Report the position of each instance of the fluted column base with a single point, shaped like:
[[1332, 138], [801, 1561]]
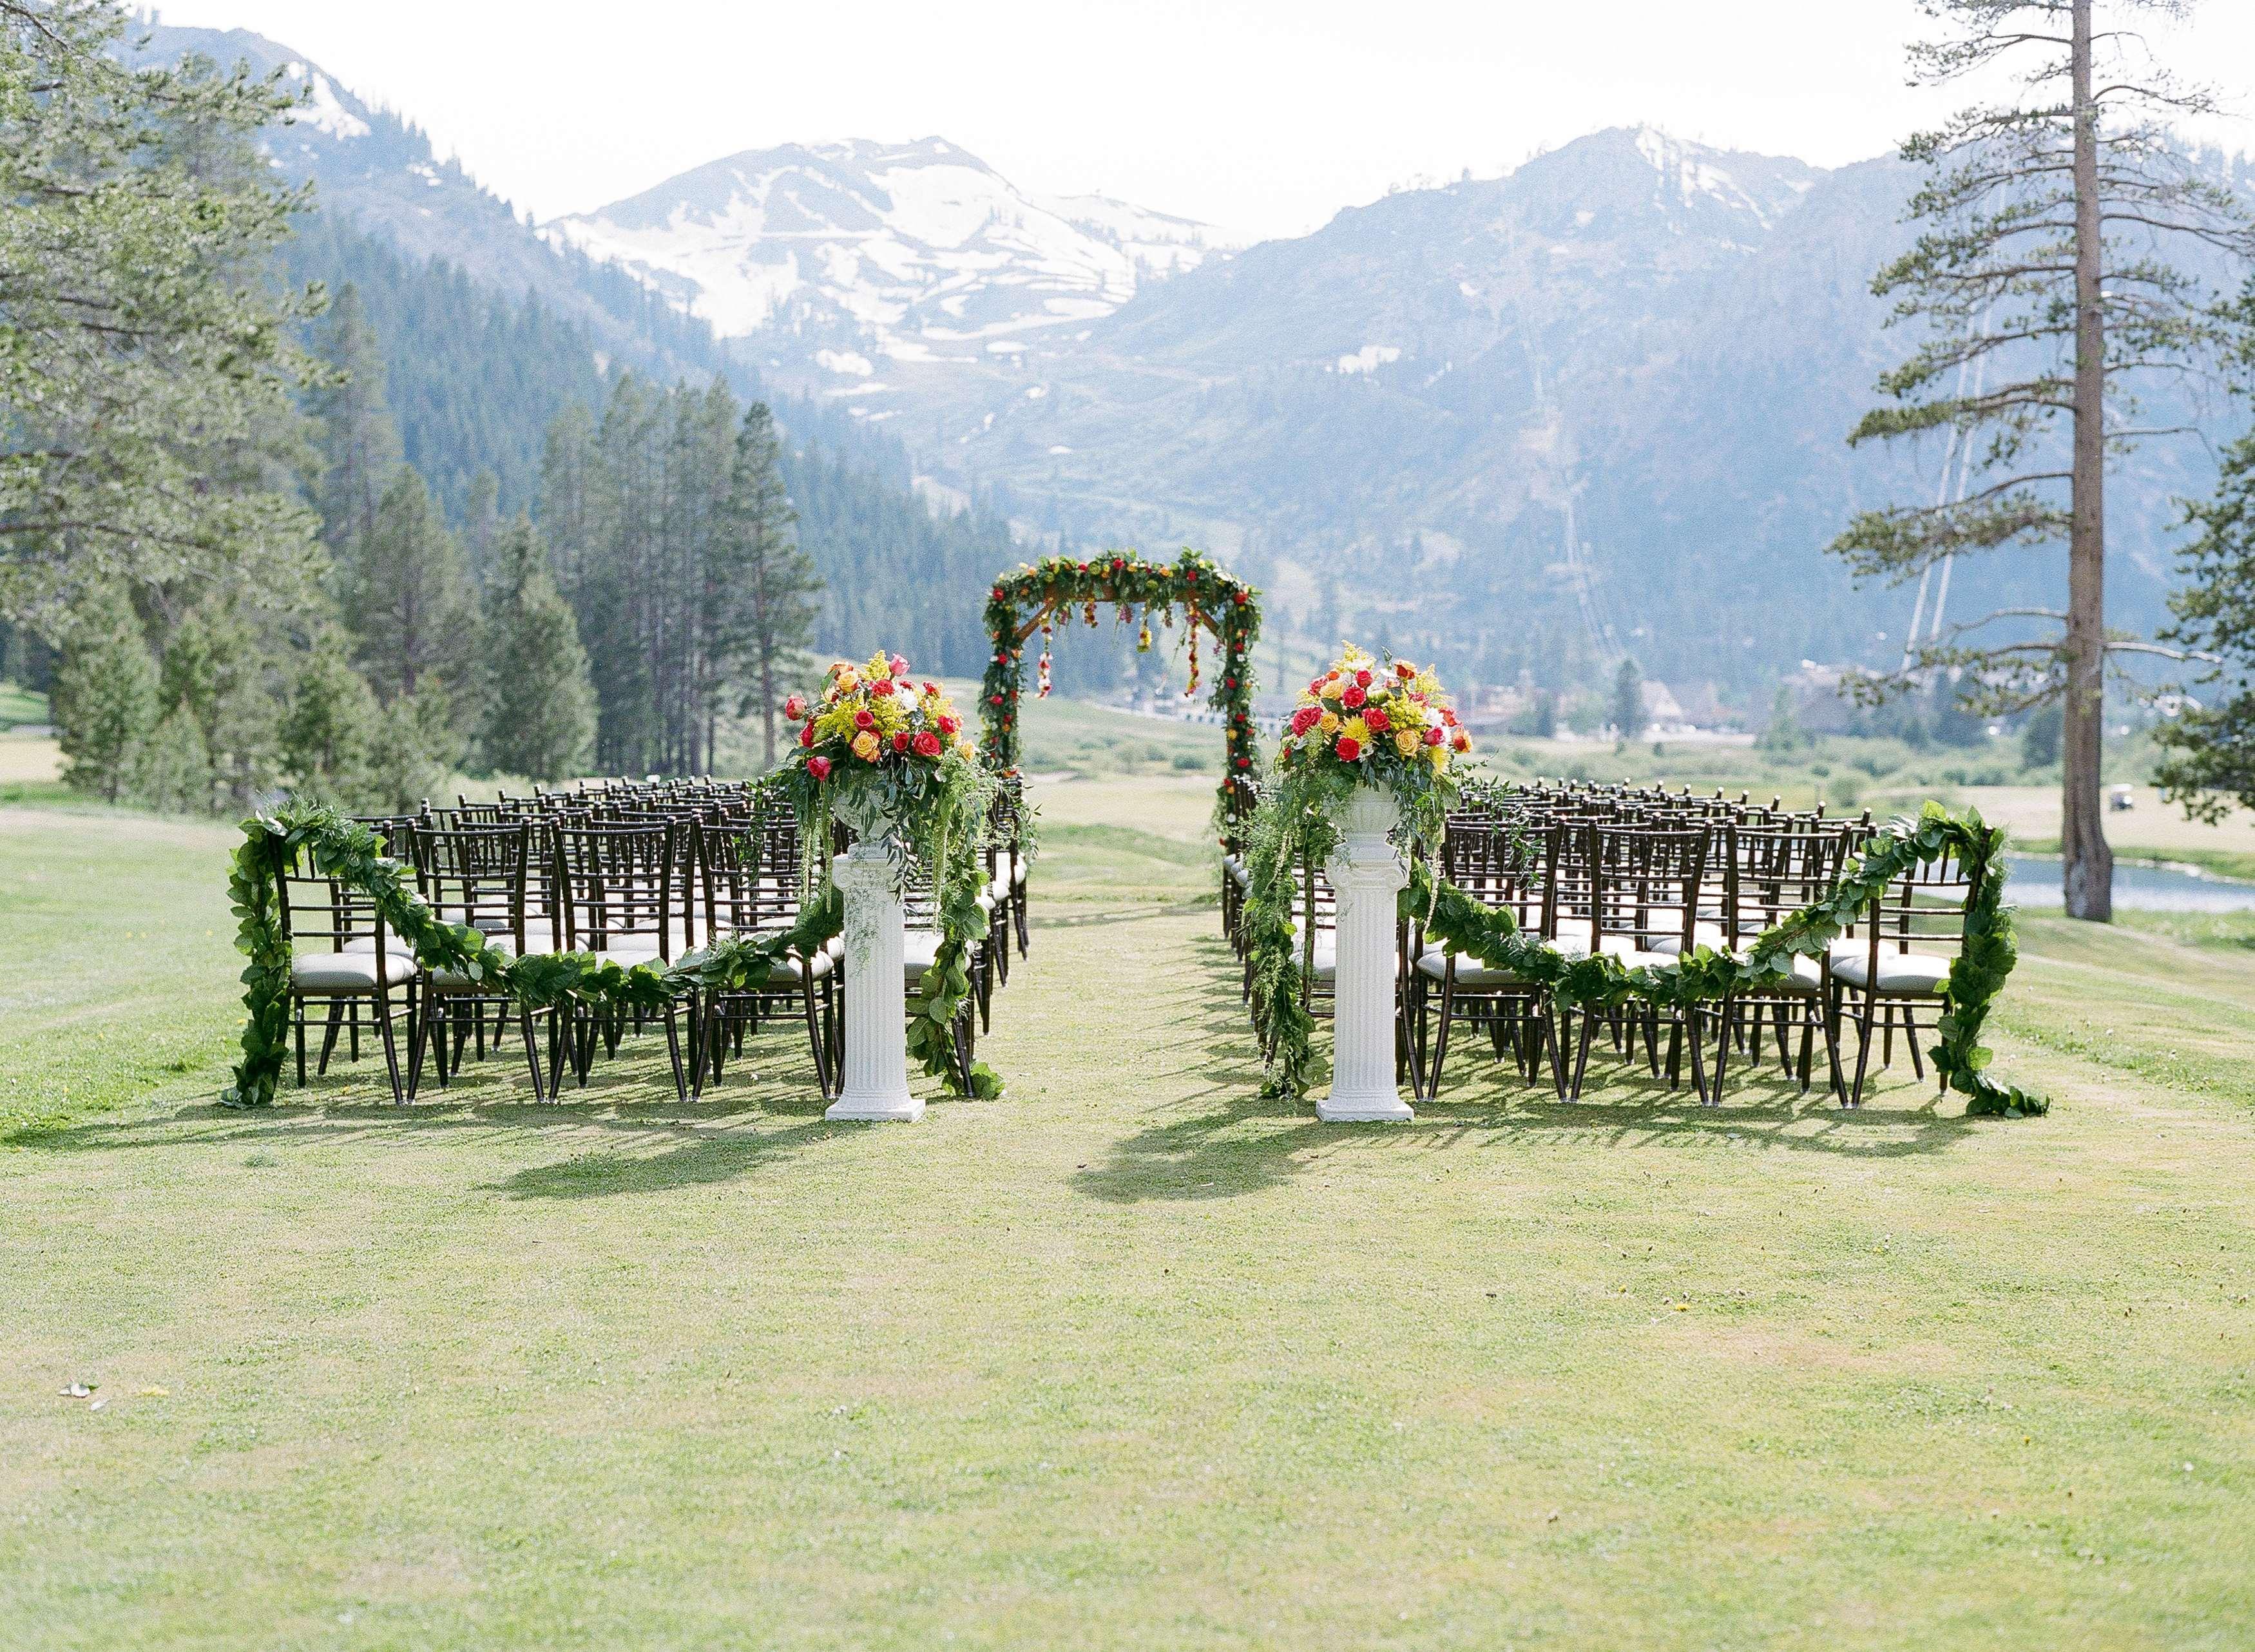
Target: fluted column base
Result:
[[875, 1087], [1366, 873]]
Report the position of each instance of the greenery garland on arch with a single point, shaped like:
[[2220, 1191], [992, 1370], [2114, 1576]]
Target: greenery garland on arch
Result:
[[1035, 598], [349, 851], [1293, 824]]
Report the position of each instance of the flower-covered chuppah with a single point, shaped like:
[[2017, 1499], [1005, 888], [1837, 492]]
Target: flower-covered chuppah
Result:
[[1071, 589]]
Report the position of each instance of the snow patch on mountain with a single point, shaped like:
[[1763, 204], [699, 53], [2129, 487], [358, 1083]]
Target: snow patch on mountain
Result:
[[916, 251], [1369, 358], [322, 109]]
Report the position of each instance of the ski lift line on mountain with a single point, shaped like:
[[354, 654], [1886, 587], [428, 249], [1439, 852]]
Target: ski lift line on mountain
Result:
[[1961, 451], [1597, 621]]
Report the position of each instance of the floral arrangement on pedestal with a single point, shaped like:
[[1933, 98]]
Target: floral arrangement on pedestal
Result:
[[1383, 723], [890, 744], [888, 754]]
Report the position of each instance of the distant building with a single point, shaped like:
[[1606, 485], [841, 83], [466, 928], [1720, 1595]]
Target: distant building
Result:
[[1818, 706]]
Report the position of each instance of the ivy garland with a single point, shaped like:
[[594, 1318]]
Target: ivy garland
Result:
[[1472, 929], [349, 852], [1034, 597]]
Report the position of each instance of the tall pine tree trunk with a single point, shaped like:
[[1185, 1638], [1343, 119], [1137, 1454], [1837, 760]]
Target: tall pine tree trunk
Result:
[[2088, 869]]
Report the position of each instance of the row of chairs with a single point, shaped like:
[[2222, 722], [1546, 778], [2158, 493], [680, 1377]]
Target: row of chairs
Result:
[[634, 872], [1646, 876]]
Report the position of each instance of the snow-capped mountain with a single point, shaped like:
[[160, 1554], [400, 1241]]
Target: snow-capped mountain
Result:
[[852, 256]]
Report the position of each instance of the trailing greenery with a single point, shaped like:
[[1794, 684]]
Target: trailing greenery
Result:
[[1053, 589], [303, 832], [1293, 826]]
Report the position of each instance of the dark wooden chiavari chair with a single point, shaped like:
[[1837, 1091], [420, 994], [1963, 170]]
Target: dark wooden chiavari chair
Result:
[[473, 875], [744, 896], [1913, 933], [342, 955], [1511, 866], [622, 900]]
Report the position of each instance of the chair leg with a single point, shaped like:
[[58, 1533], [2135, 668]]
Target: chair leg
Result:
[[299, 1006], [390, 1049], [673, 1051], [329, 1038], [532, 1050]]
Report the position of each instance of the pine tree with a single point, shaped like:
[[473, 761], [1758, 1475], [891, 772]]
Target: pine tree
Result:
[[330, 730], [540, 705], [105, 695], [360, 445], [2045, 217], [407, 597], [2209, 763], [481, 522], [137, 331], [1629, 701], [779, 581]]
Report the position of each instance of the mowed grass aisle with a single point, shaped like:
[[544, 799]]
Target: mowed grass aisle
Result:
[[1128, 1359]]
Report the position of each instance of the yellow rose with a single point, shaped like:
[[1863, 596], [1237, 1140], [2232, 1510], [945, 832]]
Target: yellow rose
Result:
[[1332, 687], [1328, 722], [1406, 741], [865, 745], [849, 680]]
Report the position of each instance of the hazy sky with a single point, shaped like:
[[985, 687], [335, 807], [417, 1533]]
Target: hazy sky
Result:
[[1262, 116]]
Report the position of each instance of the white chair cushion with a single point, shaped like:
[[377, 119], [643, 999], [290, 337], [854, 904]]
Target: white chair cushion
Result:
[[1017, 869], [1470, 973], [1901, 974], [1701, 935], [341, 974]]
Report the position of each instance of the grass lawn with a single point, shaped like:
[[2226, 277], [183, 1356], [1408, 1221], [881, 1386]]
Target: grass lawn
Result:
[[1130, 1358]]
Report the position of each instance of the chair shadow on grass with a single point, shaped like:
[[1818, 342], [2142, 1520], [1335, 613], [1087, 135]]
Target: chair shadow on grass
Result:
[[1241, 1141], [628, 1107]]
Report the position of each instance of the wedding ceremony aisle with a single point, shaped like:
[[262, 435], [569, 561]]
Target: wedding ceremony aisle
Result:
[[1127, 1357]]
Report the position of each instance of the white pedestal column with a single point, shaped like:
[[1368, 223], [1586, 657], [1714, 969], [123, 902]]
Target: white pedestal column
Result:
[[1366, 873], [876, 1079]]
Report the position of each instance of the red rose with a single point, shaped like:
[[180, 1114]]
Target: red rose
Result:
[[1379, 722], [1404, 670], [1353, 697], [927, 744], [1245, 762], [1434, 737], [931, 688], [1362, 680], [806, 734], [994, 700], [1349, 749], [949, 725], [901, 741], [818, 767], [862, 719], [1463, 742], [1304, 718], [795, 708], [883, 686]]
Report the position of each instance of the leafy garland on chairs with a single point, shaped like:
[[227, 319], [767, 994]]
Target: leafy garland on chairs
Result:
[[1291, 824], [1037, 597], [945, 817]]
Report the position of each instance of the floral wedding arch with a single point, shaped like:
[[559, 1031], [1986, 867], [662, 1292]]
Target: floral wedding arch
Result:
[[1068, 590]]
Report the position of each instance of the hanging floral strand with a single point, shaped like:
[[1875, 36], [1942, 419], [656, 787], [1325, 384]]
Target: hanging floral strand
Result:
[[1191, 692], [1143, 637], [1047, 627]]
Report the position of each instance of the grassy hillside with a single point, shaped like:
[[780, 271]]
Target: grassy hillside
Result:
[[1128, 1359]]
